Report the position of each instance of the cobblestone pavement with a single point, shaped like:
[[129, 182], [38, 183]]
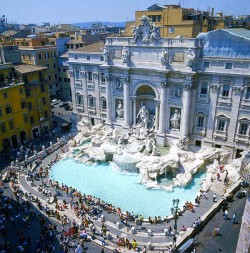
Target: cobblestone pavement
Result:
[[229, 232]]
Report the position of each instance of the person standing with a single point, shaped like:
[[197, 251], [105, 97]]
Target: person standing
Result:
[[214, 197], [234, 218], [225, 214], [216, 230]]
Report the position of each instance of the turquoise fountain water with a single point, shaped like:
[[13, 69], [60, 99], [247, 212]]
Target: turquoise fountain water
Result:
[[122, 190]]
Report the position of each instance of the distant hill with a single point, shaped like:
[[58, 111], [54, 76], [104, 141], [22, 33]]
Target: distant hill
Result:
[[89, 24]]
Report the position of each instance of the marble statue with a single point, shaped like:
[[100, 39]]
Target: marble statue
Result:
[[155, 34], [190, 56], [183, 143], [146, 31], [149, 146], [125, 55], [120, 110], [143, 115], [155, 150], [137, 34], [106, 54], [175, 120], [164, 57]]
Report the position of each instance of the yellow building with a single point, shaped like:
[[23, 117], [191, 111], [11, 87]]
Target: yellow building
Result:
[[176, 21], [25, 109], [40, 51]]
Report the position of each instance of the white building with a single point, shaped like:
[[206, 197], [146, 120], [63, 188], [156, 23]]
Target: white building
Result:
[[197, 88]]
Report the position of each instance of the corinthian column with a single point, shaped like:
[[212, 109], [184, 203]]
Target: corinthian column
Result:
[[134, 110], [163, 108], [185, 117], [108, 99], [157, 105], [126, 101]]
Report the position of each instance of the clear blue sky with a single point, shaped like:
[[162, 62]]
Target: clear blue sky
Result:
[[72, 11]]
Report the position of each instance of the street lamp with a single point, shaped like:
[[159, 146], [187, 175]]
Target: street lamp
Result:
[[175, 210]]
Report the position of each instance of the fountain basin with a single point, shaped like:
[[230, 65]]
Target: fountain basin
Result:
[[122, 189], [126, 162]]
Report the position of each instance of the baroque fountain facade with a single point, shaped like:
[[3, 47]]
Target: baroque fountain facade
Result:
[[193, 89], [133, 94]]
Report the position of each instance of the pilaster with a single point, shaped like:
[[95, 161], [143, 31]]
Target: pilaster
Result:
[[185, 117]]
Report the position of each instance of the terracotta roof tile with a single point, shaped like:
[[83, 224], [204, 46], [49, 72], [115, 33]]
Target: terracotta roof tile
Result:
[[26, 68], [95, 47]]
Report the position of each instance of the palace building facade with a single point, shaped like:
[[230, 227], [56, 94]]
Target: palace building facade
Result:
[[195, 89]]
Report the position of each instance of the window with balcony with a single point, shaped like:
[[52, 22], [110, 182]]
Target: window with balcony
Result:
[[23, 104], [5, 95], [200, 122], [49, 76], [79, 99], [55, 76], [221, 125], [204, 89], [8, 109], [225, 90], [54, 64], [88, 58], [103, 79], [243, 129], [77, 74], [91, 101], [103, 103], [90, 76], [39, 56]]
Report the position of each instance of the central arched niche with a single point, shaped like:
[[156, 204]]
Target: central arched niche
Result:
[[145, 96]]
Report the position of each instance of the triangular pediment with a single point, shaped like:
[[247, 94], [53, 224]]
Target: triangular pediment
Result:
[[155, 7], [226, 43]]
